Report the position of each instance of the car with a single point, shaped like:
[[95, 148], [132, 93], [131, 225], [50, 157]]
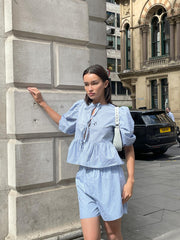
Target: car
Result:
[[155, 131], [178, 135]]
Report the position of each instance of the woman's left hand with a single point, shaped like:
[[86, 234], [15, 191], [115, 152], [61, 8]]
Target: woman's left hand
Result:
[[127, 191]]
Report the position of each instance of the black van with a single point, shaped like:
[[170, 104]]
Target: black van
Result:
[[155, 131]]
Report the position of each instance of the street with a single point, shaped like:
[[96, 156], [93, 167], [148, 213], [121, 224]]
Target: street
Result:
[[173, 153]]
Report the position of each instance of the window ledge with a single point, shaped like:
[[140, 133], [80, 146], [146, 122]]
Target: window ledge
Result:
[[126, 70]]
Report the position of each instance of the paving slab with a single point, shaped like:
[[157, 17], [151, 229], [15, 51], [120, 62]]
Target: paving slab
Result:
[[140, 207], [172, 193], [155, 230], [173, 235], [162, 202], [152, 189]]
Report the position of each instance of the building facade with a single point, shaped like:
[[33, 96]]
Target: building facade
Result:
[[120, 95], [45, 44], [150, 53]]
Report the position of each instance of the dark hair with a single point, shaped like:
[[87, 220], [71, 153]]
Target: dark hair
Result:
[[102, 73]]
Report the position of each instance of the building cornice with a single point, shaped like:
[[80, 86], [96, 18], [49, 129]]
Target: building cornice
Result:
[[138, 73]]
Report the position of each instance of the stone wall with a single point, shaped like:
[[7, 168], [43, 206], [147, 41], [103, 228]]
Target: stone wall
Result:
[[46, 44]]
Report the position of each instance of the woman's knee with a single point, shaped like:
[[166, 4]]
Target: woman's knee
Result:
[[113, 229], [113, 236]]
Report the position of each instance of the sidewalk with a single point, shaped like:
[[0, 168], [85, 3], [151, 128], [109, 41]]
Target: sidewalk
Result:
[[154, 210]]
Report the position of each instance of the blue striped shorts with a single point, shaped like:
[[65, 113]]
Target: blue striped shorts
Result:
[[100, 192]]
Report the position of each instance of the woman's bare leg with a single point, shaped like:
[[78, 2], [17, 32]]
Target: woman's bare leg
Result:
[[113, 229], [91, 228]]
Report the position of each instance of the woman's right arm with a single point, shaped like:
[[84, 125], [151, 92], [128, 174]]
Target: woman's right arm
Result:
[[36, 94]]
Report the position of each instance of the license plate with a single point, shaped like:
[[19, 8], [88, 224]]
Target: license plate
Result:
[[165, 130]]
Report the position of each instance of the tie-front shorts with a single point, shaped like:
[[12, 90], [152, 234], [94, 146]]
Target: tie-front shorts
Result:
[[100, 192]]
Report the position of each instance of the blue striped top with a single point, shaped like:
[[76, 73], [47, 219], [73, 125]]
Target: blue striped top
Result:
[[92, 145]]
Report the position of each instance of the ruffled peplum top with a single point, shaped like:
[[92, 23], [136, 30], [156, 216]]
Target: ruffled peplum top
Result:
[[92, 144]]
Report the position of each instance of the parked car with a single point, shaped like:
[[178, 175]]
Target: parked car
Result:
[[178, 135], [155, 131]]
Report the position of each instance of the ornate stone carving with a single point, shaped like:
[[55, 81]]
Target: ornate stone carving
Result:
[[125, 3], [126, 7]]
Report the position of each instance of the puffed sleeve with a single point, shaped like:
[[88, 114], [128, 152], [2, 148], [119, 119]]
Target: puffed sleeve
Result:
[[126, 126], [67, 123]]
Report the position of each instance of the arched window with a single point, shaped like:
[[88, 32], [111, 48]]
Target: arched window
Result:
[[155, 37], [165, 35], [128, 47], [160, 33]]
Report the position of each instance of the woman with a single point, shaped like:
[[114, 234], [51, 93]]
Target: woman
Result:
[[102, 190]]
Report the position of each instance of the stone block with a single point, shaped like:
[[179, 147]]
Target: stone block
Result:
[[44, 213], [53, 238], [3, 213], [3, 165], [30, 163], [2, 90], [29, 118], [64, 19], [97, 33], [64, 170], [28, 62], [70, 62], [2, 63], [98, 56], [1, 17], [97, 8]]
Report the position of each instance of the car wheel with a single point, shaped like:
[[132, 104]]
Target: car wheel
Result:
[[159, 150]]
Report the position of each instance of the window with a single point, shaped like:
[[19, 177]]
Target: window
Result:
[[114, 65], [118, 20], [118, 89], [159, 93], [129, 92], [110, 19], [110, 31], [118, 65], [155, 118], [111, 42], [137, 118], [113, 88], [155, 37], [118, 43], [160, 33], [164, 93], [111, 64], [110, 1], [128, 47], [154, 94], [165, 35]]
